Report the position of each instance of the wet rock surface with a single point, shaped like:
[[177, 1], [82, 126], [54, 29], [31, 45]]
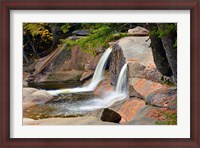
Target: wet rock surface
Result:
[[104, 86]]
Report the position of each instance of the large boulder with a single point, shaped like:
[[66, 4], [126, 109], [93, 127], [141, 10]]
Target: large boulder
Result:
[[32, 96], [117, 61], [138, 31], [109, 115]]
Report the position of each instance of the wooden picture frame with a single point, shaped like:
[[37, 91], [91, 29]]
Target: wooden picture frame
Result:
[[7, 6]]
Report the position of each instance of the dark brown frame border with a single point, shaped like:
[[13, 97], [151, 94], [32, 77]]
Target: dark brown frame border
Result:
[[6, 6]]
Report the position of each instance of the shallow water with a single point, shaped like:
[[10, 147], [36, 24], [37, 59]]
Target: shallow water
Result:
[[55, 85], [64, 105]]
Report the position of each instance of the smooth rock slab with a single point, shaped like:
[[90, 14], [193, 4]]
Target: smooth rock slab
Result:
[[137, 48]]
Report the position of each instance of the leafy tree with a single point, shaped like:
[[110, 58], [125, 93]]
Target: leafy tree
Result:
[[37, 38], [100, 35]]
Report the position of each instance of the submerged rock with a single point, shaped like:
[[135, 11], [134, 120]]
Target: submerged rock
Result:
[[110, 116]]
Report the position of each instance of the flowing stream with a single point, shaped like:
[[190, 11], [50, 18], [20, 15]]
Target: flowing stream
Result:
[[97, 77], [81, 100]]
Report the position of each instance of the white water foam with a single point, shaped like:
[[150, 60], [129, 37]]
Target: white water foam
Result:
[[120, 93]]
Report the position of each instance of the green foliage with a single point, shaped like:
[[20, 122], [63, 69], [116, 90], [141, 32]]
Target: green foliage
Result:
[[164, 29], [37, 38], [101, 34], [171, 119], [166, 81], [65, 28], [38, 29]]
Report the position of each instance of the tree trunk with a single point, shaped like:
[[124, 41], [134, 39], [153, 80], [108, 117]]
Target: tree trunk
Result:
[[171, 52], [32, 45], [55, 30], [159, 53]]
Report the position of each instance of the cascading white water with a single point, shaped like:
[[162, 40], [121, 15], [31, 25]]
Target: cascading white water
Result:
[[122, 86], [99, 71], [98, 76], [120, 93]]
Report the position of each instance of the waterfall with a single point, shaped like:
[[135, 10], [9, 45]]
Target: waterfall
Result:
[[122, 84], [97, 77], [120, 93], [99, 71]]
